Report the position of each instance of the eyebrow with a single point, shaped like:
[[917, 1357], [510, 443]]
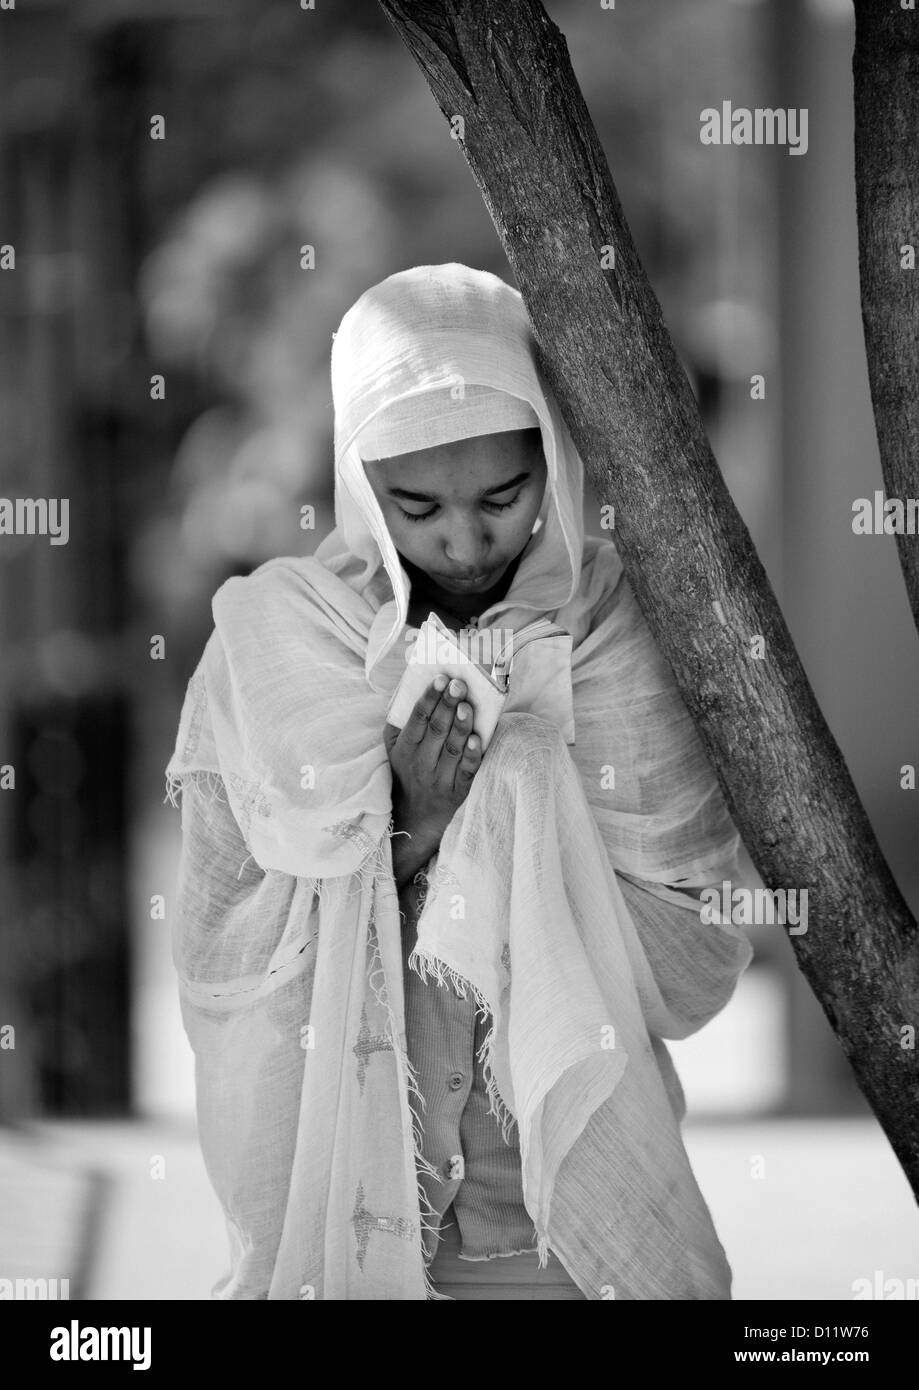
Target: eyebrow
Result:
[[428, 497]]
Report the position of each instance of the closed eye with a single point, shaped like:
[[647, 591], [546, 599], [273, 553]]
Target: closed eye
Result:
[[490, 506]]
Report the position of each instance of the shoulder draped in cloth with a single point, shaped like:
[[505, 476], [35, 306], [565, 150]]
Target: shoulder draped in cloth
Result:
[[554, 896]]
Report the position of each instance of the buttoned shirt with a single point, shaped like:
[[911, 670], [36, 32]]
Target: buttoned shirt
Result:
[[479, 1172]]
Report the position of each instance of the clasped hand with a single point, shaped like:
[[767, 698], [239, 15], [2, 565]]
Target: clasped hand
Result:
[[434, 759]]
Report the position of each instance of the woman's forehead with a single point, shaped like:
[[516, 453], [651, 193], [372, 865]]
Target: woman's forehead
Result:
[[462, 465]]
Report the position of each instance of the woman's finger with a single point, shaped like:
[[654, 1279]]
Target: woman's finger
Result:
[[468, 764], [454, 743], [439, 725], [416, 726]]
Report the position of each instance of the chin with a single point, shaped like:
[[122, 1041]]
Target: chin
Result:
[[496, 578]]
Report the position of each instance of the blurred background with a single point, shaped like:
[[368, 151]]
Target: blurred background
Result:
[[164, 364]]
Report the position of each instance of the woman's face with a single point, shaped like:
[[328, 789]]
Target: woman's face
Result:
[[462, 512]]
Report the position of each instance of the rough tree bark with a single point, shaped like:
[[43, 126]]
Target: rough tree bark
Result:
[[503, 66], [886, 70]]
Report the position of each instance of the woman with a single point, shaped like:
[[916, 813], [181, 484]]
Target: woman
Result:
[[371, 1133]]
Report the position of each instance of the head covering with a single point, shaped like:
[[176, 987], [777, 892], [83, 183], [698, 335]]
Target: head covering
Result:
[[441, 416], [314, 1148], [432, 354]]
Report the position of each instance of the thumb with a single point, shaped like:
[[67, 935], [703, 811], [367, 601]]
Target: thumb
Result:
[[390, 734]]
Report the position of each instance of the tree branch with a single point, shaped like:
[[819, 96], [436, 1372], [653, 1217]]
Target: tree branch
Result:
[[885, 65]]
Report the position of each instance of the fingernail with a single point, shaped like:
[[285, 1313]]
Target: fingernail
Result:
[[472, 742], [456, 687], [440, 682], [462, 711]]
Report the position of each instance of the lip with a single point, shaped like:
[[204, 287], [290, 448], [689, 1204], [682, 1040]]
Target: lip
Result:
[[474, 579]]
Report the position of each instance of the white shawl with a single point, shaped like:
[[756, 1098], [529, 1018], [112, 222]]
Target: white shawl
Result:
[[296, 1015]]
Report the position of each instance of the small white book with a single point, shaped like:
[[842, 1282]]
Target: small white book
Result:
[[483, 658]]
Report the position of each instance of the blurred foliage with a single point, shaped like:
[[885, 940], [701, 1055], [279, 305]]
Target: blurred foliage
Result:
[[288, 128]]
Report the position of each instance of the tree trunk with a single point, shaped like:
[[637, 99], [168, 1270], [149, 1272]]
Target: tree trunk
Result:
[[886, 69], [503, 66]]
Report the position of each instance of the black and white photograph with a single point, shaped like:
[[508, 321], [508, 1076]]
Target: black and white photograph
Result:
[[459, 664]]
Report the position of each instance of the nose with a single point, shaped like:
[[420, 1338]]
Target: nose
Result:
[[467, 548]]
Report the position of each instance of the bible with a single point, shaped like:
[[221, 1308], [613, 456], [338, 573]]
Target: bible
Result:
[[483, 658]]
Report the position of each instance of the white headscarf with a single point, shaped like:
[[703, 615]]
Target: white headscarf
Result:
[[314, 1151], [430, 355]]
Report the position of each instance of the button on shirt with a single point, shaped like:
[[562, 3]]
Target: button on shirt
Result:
[[480, 1173]]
